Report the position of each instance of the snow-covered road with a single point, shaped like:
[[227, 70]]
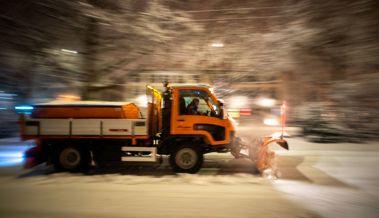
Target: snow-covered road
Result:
[[317, 180]]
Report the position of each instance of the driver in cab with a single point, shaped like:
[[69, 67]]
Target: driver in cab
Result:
[[192, 108]]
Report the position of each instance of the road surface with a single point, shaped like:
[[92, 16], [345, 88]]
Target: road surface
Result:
[[316, 180]]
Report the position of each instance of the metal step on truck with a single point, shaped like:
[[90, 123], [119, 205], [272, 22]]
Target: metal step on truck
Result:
[[184, 122]]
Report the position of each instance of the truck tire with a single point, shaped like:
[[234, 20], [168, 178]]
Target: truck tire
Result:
[[71, 159], [186, 159]]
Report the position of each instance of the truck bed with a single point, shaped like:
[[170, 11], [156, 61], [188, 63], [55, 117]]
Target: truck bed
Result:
[[32, 127]]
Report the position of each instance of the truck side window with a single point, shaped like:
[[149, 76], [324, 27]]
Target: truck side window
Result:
[[196, 102]]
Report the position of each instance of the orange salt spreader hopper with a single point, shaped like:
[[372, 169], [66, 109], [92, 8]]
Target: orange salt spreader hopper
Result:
[[84, 109]]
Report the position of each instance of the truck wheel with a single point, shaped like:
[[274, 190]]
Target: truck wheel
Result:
[[186, 159], [71, 159]]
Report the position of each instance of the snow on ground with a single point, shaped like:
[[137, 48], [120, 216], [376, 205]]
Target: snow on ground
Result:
[[337, 180], [145, 192], [206, 194], [317, 180], [225, 187], [78, 197]]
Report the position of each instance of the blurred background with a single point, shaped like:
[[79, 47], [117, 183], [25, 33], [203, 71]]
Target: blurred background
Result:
[[321, 57]]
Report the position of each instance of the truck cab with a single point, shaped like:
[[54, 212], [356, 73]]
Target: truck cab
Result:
[[193, 122], [210, 121]]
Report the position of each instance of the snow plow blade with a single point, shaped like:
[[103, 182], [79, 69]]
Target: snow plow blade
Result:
[[278, 140], [283, 144], [259, 151], [248, 150]]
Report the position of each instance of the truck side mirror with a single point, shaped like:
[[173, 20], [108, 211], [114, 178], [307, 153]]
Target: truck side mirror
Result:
[[222, 113], [221, 104]]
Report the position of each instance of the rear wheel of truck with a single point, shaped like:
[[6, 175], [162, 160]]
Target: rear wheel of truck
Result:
[[71, 159], [186, 159]]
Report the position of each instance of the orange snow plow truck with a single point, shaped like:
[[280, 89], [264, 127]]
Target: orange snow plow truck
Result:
[[183, 121]]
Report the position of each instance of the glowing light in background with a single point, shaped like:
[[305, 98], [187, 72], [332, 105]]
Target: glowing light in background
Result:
[[24, 107], [271, 122], [266, 102], [12, 155], [141, 100], [245, 111], [69, 51], [217, 45], [67, 97], [238, 102], [234, 113], [6, 96]]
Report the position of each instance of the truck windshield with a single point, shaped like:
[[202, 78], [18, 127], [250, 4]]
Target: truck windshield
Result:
[[197, 102]]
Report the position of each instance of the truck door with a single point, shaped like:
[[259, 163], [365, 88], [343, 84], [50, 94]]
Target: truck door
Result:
[[195, 112]]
